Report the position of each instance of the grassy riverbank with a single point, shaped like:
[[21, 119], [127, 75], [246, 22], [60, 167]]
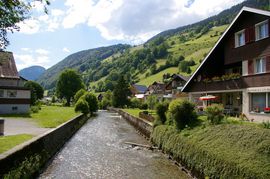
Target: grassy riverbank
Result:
[[8, 142], [219, 151], [53, 116], [48, 116]]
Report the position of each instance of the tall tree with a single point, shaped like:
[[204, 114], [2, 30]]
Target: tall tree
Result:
[[13, 12], [36, 91], [121, 93], [68, 84]]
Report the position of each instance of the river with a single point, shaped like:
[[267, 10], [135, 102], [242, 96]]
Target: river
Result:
[[98, 150]]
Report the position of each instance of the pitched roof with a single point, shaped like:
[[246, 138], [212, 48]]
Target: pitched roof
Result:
[[140, 88], [8, 67], [185, 78], [244, 9]]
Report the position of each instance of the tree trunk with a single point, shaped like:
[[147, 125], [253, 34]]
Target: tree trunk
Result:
[[68, 101]]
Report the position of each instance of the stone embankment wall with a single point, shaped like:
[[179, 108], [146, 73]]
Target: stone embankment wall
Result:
[[145, 127], [26, 160]]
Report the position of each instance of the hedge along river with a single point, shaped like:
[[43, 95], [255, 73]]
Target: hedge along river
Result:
[[98, 150]]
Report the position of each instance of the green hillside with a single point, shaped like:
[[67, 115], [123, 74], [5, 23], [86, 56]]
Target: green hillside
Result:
[[178, 50]]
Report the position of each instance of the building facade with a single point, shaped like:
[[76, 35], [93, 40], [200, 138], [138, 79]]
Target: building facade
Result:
[[14, 97], [237, 69]]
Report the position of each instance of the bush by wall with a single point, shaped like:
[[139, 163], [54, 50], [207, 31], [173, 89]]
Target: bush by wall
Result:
[[182, 112], [220, 151], [161, 109], [214, 113]]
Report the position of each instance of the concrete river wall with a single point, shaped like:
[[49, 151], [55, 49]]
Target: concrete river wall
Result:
[[25, 160], [145, 127]]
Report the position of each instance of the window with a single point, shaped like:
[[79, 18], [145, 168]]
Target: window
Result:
[[12, 94], [240, 38], [262, 30], [1, 93], [260, 65], [258, 102], [14, 108]]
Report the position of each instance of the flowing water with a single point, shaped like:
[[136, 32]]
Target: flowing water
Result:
[[98, 150]]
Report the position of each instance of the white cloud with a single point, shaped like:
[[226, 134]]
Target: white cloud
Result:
[[65, 49], [29, 26], [26, 49], [57, 12], [137, 20], [27, 60], [41, 51], [131, 20]]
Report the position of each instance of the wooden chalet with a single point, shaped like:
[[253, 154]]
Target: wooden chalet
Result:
[[237, 69]]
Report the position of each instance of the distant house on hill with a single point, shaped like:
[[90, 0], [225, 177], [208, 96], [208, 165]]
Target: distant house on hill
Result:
[[138, 90], [14, 97], [174, 86], [236, 72], [157, 89]]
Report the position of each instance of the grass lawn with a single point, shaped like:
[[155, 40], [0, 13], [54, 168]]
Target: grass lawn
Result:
[[8, 142], [53, 116], [157, 77]]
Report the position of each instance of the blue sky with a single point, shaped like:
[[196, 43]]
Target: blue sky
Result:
[[75, 25]]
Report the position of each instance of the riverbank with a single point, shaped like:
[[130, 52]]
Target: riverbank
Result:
[[26, 160], [143, 126], [218, 151]]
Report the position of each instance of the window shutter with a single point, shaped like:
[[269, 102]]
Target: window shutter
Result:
[[252, 34], [250, 67], [268, 63], [247, 40]]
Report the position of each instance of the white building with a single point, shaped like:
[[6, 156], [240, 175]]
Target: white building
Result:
[[14, 97]]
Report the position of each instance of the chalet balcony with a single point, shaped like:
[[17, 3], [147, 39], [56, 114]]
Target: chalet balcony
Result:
[[232, 84]]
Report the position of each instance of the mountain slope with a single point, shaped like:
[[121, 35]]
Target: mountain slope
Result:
[[81, 61], [32, 73], [174, 51]]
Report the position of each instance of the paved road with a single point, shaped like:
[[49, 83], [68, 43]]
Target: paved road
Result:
[[22, 126]]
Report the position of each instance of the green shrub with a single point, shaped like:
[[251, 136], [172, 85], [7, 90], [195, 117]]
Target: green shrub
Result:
[[218, 151], [79, 94], [144, 106], [105, 103], [266, 124], [214, 113], [183, 113], [151, 101], [135, 103], [35, 109], [161, 109], [92, 101], [82, 106]]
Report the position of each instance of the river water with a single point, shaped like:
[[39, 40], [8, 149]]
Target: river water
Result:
[[98, 150]]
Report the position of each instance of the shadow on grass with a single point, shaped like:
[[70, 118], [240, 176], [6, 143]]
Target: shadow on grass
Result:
[[24, 115]]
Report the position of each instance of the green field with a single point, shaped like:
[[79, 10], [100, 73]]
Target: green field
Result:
[[157, 77], [53, 116], [8, 142], [135, 112]]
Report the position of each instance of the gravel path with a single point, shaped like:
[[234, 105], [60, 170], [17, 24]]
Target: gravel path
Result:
[[22, 126]]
